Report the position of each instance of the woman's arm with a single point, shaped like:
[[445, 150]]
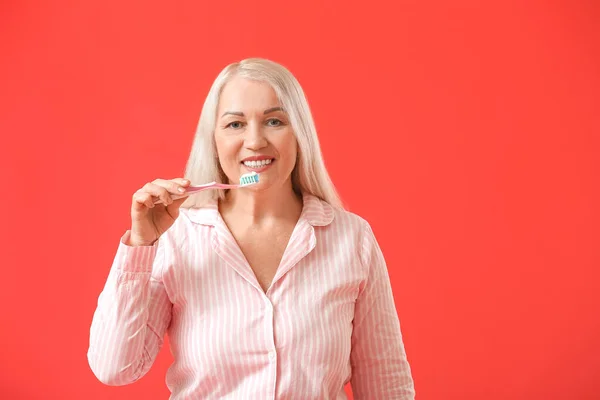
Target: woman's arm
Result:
[[132, 316], [380, 369]]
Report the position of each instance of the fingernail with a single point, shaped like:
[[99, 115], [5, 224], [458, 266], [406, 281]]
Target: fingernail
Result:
[[182, 190]]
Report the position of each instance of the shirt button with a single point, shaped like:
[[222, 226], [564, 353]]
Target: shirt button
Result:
[[272, 355]]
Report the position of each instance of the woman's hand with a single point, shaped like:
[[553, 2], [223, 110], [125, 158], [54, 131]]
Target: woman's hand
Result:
[[149, 220]]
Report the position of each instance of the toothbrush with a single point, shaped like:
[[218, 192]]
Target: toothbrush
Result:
[[245, 180]]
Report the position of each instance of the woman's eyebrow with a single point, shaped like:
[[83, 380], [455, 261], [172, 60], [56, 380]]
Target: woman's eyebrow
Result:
[[241, 114], [273, 109]]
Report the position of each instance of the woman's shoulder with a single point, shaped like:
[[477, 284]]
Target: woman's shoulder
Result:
[[205, 214], [325, 214], [189, 223]]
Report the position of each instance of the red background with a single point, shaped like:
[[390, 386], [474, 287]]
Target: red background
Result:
[[478, 121]]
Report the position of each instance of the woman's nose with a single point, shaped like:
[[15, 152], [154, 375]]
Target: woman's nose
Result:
[[255, 137]]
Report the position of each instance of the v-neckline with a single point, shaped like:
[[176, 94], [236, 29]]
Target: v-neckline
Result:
[[301, 242]]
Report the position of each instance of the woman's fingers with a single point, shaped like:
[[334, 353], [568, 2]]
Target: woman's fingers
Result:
[[142, 199], [160, 191]]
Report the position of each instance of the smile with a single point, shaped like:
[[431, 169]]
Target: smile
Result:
[[257, 164]]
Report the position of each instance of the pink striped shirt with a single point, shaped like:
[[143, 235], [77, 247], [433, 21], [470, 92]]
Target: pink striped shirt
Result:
[[328, 317]]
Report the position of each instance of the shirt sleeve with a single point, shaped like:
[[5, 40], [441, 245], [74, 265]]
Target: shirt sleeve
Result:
[[380, 369], [132, 315]]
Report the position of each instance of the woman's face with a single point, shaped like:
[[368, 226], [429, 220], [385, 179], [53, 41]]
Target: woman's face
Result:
[[253, 133]]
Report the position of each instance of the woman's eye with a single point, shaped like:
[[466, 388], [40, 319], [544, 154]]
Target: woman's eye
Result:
[[234, 125], [274, 122]]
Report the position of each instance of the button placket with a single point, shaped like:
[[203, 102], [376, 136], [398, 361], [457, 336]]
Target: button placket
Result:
[[269, 321]]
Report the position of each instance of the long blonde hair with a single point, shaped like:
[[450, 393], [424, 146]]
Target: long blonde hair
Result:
[[309, 175]]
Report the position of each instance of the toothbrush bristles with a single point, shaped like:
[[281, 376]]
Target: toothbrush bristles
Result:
[[249, 179]]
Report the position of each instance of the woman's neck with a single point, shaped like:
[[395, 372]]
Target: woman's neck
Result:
[[262, 207]]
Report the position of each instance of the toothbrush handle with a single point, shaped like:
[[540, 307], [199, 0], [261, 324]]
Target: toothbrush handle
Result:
[[199, 188]]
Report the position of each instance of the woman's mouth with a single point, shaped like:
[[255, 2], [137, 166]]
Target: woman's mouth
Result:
[[258, 165]]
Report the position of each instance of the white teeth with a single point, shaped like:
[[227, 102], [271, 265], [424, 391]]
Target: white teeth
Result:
[[257, 164]]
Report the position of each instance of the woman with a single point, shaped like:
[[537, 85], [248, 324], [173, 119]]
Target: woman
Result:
[[272, 291]]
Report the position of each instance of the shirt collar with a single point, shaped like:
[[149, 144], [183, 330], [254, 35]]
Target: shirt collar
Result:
[[315, 211]]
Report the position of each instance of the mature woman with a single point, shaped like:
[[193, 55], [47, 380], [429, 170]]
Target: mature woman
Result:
[[271, 291]]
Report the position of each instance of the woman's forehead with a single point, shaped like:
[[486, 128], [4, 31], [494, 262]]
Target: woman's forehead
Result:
[[241, 94]]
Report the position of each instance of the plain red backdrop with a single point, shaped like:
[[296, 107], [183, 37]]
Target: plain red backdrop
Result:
[[478, 121]]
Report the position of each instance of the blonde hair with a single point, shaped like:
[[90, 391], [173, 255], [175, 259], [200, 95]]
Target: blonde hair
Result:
[[309, 175]]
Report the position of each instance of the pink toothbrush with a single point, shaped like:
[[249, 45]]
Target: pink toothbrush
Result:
[[245, 180]]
